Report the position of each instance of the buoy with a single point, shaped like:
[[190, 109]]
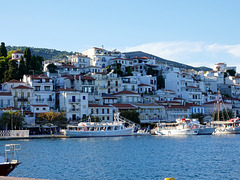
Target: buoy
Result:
[[170, 178]]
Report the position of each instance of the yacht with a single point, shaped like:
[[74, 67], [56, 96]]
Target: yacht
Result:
[[9, 161]]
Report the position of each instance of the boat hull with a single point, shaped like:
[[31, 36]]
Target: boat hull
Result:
[[177, 132], [123, 132], [206, 131], [234, 130], [7, 168]]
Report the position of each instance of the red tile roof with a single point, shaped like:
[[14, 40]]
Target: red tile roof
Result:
[[39, 105], [176, 107], [65, 89], [14, 81], [17, 52], [98, 105], [22, 87], [11, 108], [124, 92], [146, 104], [143, 84], [124, 106], [5, 94]]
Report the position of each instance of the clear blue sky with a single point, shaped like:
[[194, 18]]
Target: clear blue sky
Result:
[[196, 32]]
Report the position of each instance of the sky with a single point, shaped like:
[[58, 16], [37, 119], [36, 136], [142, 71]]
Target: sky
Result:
[[193, 32]]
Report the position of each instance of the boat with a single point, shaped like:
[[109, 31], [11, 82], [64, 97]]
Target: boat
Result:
[[99, 129], [231, 126], [184, 127], [180, 127], [10, 161]]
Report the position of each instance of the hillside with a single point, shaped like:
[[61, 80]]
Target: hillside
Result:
[[47, 54], [164, 61]]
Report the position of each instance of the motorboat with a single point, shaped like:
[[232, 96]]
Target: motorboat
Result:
[[9, 161]]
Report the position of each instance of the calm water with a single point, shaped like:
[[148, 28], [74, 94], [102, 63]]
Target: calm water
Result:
[[153, 157]]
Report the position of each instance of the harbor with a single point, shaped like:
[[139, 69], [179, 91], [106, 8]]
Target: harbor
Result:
[[132, 157]]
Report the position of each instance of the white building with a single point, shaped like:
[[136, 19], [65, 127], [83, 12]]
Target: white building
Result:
[[74, 103], [104, 112]]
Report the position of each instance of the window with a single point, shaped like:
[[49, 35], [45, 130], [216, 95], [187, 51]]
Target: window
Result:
[[102, 111], [108, 111], [44, 109], [37, 109], [97, 111], [84, 97]]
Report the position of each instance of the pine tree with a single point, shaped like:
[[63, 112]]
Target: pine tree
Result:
[[28, 58], [3, 50], [12, 70], [22, 68]]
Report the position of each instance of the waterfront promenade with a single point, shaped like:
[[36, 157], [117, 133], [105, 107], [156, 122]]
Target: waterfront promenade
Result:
[[34, 137]]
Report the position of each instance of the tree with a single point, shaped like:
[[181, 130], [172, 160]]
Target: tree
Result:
[[132, 115], [52, 68], [160, 82], [22, 68], [231, 72], [3, 68], [28, 58], [153, 72], [12, 70], [117, 69], [12, 120], [199, 116], [129, 71], [3, 50], [224, 115], [56, 118]]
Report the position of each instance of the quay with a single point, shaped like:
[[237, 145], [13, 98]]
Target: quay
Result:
[[33, 137]]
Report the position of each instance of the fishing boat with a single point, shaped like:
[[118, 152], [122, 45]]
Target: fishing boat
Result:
[[9, 161], [99, 129]]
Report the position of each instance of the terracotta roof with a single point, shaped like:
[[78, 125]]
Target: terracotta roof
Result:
[[22, 87], [220, 63], [176, 107], [178, 98], [146, 104], [11, 108], [17, 52], [39, 105], [65, 89], [124, 92], [87, 78], [143, 84], [98, 105], [14, 81], [192, 104], [213, 102], [42, 76], [193, 87], [68, 66], [5, 94], [124, 106]]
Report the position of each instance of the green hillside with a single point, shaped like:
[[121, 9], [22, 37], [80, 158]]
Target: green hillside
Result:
[[47, 54], [164, 61]]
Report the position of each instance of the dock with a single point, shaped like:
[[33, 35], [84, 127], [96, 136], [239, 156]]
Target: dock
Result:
[[34, 137]]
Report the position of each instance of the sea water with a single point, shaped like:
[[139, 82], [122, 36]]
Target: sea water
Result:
[[146, 157]]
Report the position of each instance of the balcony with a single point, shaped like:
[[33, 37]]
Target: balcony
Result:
[[22, 99], [50, 100], [74, 101], [39, 100], [74, 110]]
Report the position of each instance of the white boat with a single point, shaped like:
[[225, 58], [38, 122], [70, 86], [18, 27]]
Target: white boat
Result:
[[181, 127], [100, 129], [184, 127], [227, 127]]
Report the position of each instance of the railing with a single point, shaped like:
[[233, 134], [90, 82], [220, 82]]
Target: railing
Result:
[[14, 133], [22, 99], [74, 110], [74, 101], [39, 100]]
